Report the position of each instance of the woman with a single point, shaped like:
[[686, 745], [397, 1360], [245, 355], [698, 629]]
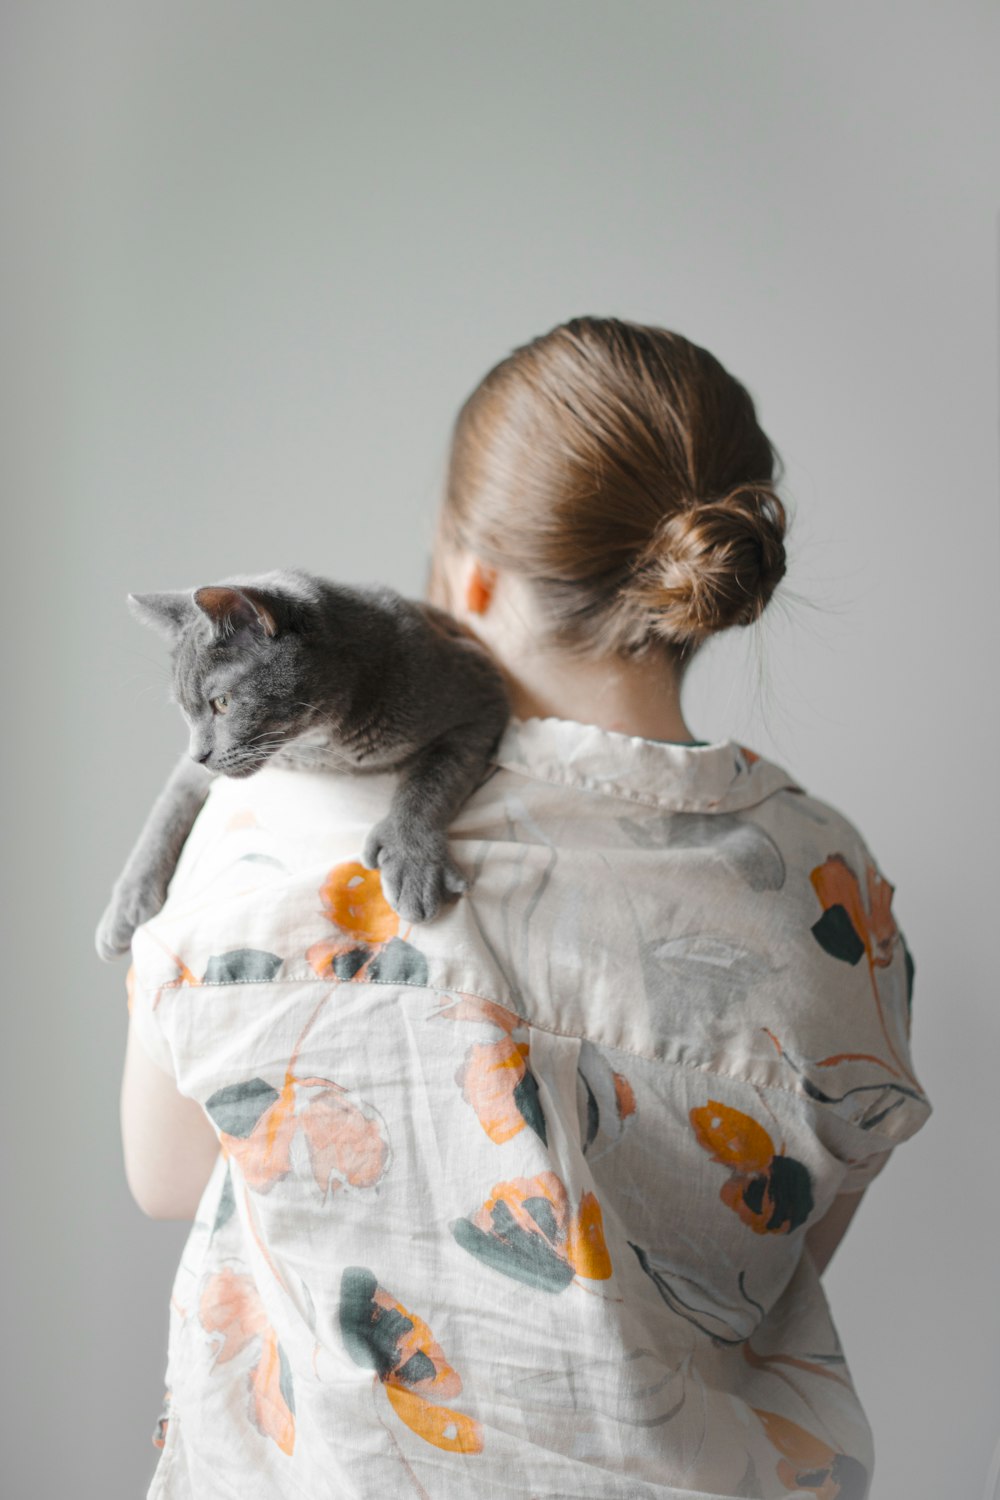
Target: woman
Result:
[[533, 1200]]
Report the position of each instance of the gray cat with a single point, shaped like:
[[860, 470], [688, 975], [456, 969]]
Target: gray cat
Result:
[[294, 670]]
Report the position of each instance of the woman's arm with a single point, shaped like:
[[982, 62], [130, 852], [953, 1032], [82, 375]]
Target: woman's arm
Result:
[[824, 1237], [169, 1146]]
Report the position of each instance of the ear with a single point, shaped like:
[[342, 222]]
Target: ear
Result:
[[167, 613], [231, 609], [479, 585]]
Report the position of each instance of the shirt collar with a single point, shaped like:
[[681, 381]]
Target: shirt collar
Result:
[[720, 777]]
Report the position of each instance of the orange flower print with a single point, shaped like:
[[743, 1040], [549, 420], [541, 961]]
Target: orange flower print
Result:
[[849, 930], [624, 1096], [367, 946], [381, 1333], [495, 1077], [353, 899], [231, 1306], [810, 1466], [527, 1230], [346, 1141], [472, 1008], [496, 1081], [771, 1193], [607, 1102]]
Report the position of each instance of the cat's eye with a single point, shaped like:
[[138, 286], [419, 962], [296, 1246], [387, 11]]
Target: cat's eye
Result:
[[220, 703]]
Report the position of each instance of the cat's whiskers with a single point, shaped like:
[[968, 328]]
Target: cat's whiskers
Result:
[[327, 717], [261, 740], [159, 665], [146, 687]]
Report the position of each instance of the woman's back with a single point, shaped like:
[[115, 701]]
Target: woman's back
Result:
[[514, 1203]]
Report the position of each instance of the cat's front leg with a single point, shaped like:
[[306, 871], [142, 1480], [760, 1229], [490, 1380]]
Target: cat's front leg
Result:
[[141, 888], [410, 845], [416, 869], [133, 901]]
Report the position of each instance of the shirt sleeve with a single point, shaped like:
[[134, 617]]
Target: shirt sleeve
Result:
[[141, 1006], [160, 943], [880, 1117], [861, 1172]]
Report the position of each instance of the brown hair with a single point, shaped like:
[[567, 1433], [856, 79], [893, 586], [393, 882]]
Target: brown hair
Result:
[[620, 470]]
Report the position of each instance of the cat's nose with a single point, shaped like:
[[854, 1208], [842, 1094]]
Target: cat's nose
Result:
[[200, 755]]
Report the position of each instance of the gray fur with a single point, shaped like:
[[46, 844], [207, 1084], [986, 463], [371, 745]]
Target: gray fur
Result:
[[321, 677]]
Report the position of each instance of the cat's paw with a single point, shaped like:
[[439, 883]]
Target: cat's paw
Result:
[[124, 913], [113, 936], [416, 870]]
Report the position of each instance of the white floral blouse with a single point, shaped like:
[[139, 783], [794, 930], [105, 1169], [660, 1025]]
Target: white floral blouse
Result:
[[513, 1203]]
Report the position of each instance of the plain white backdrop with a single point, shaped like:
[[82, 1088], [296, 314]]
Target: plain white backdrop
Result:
[[254, 258]]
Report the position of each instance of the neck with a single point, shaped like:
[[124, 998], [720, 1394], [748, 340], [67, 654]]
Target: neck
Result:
[[640, 697], [637, 695]]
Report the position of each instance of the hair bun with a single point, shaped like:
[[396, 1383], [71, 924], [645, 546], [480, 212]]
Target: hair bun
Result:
[[712, 564]]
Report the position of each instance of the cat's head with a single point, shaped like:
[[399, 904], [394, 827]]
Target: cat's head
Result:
[[243, 665]]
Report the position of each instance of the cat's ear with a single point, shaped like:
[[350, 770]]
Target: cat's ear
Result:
[[168, 613], [232, 609]]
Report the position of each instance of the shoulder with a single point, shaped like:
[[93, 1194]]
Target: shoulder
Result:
[[811, 824], [747, 929]]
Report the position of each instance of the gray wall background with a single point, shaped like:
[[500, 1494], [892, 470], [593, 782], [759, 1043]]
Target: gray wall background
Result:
[[254, 257]]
